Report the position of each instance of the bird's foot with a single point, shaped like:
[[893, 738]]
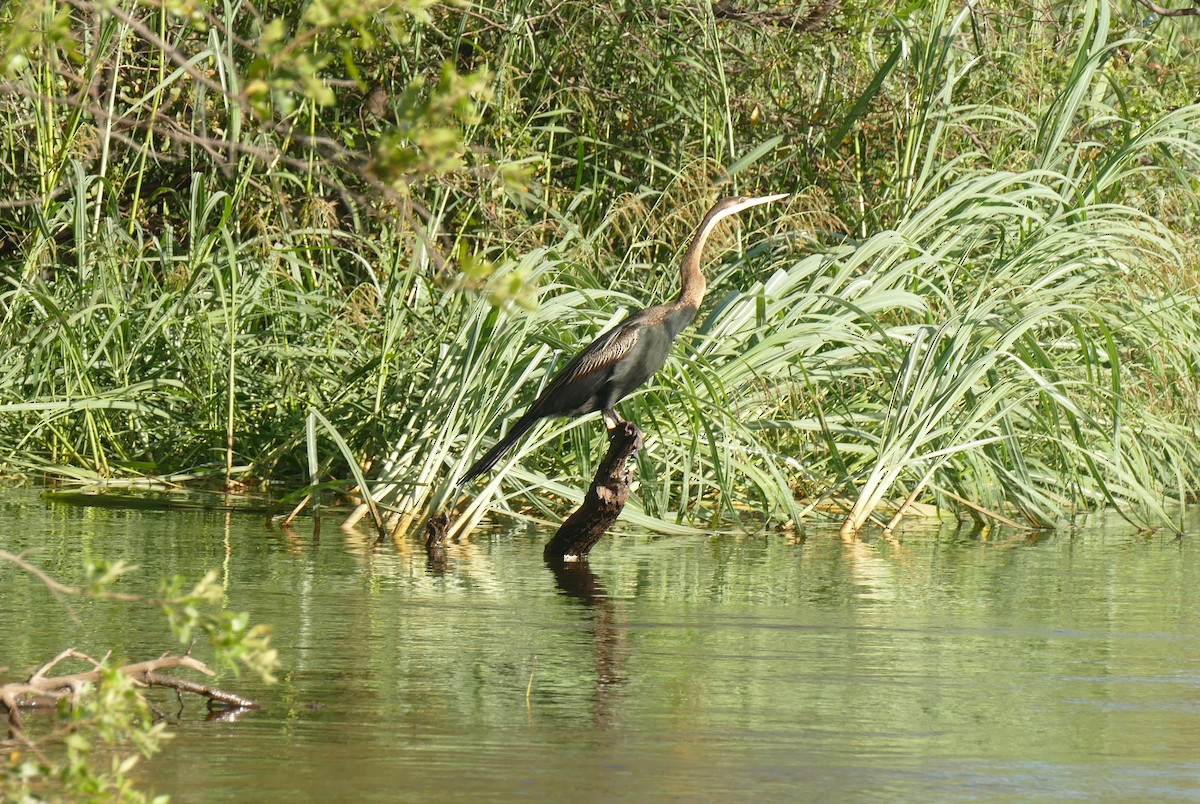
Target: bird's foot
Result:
[[612, 419]]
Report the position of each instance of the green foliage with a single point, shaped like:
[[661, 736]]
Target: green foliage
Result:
[[404, 215], [230, 634], [427, 138], [115, 716], [99, 575], [104, 736], [296, 53], [30, 30]]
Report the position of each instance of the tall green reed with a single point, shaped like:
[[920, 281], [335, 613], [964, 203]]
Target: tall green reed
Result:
[[1004, 337]]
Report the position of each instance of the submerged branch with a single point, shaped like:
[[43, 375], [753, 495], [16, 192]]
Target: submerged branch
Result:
[[41, 690]]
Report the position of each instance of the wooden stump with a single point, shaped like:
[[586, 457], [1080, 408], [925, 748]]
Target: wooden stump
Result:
[[435, 532], [603, 502]]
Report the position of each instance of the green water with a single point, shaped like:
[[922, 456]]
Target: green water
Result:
[[939, 667]]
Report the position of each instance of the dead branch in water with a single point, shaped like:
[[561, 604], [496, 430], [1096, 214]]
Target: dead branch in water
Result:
[[41, 690]]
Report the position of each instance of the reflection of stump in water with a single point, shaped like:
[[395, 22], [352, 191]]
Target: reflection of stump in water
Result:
[[603, 502], [577, 580], [435, 538], [566, 555]]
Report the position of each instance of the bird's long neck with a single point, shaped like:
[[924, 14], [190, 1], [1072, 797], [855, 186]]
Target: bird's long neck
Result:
[[692, 284]]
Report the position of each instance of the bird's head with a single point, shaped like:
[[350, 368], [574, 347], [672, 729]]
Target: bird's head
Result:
[[693, 287], [731, 206], [735, 204]]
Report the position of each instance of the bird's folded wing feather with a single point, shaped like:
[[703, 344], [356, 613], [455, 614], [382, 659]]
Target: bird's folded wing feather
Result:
[[600, 354]]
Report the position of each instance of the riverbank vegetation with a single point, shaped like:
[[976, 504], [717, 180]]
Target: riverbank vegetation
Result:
[[982, 296]]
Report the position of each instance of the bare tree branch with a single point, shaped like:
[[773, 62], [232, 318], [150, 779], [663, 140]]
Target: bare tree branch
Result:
[[54, 586], [40, 690], [1163, 11]]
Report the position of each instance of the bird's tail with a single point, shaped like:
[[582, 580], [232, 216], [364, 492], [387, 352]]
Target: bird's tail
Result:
[[502, 446]]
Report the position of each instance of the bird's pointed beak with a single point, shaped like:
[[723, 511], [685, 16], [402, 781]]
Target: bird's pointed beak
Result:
[[765, 199]]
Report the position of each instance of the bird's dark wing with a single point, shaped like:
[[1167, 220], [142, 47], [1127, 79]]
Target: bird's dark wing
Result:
[[571, 389], [587, 371], [603, 352]]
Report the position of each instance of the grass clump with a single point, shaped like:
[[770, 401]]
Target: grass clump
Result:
[[981, 296]]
